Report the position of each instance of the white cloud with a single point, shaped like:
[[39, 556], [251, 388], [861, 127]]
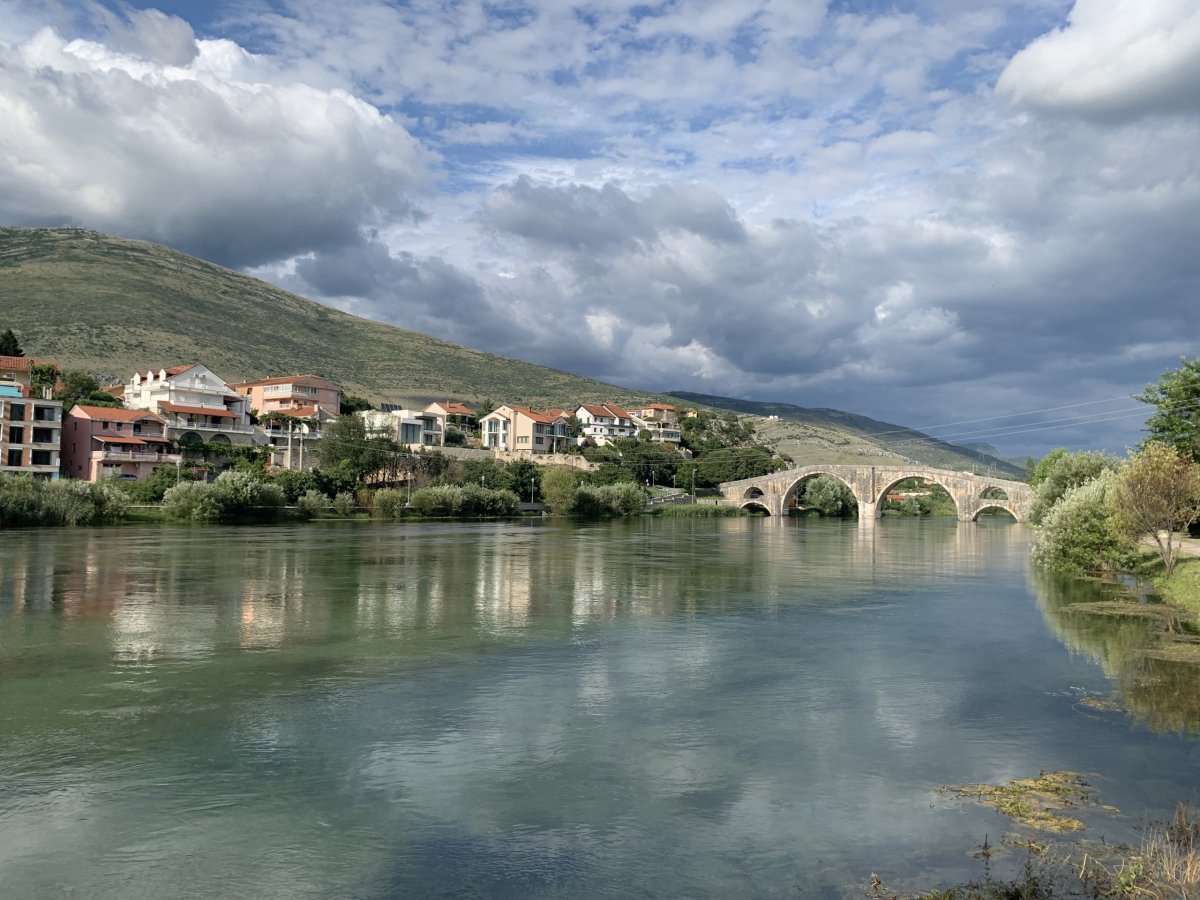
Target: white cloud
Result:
[[204, 156], [1114, 57]]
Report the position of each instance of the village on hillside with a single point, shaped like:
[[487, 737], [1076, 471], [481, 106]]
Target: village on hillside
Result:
[[165, 416]]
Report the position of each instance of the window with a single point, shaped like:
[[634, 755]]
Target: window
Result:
[[43, 436], [104, 426], [539, 440], [13, 458], [523, 439], [40, 458], [16, 434], [16, 412]]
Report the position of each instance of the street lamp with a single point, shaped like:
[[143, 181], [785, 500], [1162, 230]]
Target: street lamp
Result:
[[532, 482]]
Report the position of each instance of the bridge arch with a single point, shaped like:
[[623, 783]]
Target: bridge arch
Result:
[[753, 493], [1002, 506], [991, 492], [927, 475], [757, 504], [796, 486]]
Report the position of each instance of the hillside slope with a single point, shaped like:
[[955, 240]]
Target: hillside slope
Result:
[[812, 436], [112, 306]]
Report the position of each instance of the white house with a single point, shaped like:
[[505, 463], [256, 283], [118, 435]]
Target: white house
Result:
[[196, 404], [604, 423]]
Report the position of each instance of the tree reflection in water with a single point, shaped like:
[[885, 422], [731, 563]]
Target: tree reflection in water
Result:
[[1158, 691]]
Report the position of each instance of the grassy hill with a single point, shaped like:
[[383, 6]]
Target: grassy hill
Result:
[[812, 436], [111, 307]]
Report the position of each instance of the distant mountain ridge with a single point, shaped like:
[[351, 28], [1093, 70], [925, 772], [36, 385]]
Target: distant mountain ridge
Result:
[[113, 306], [894, 440]]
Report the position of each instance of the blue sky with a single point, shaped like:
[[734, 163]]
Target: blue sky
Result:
[[927, 212]]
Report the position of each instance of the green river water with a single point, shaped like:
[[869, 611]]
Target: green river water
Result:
[[646, 708]]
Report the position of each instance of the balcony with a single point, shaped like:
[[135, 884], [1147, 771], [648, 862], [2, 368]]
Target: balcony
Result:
[[133, 456]]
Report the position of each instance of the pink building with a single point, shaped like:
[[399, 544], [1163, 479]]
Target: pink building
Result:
[[99, 442], [290, 392]]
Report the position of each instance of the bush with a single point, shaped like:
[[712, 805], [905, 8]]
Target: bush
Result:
[[192, 501], [233, 497], [244, 497], [28, 501], [343, 505], [390, 503], [1061, 471], [311, 504], [1078, 535], [295, 483], [472, 501], [624, 499]]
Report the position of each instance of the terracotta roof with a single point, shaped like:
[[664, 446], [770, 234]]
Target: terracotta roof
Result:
[[298, 412], [116, 439], [544, 418], [15, 363], [219, 412], [117, 390], [286, 379], [179, 370], [114, 414], [453, 409], [663, 406], [610, 410]]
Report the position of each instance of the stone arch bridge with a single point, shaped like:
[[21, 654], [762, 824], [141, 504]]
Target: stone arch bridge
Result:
[[871, 484]]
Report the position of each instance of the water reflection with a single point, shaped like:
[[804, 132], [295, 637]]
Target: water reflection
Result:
[[694, 708], [1162, 694]]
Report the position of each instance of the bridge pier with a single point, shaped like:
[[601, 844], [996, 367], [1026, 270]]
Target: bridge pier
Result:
[[868, 511]]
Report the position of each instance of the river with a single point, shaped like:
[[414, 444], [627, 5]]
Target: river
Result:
[[646, 708]]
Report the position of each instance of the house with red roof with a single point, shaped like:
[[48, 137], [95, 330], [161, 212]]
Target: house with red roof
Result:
[[286, 392], [604, 423], [524, 430], [196, 404], [455, 415], [103, 442]]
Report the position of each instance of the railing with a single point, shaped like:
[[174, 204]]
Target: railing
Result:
[[130, 456]]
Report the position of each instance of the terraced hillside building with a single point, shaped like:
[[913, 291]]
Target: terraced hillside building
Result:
[[30, 432], [290, 392], [103, 442], [197, 405]]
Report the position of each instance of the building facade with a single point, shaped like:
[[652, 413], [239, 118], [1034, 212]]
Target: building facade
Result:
[[604, 423], [196, 405], [524, 430], [30, 432], [290, 392], [412, 429], [102, 442]]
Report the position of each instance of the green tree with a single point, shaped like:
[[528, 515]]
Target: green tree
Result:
[[351, 404], [9, 345], [483, 472], [559, 485], [348, 444], [732, 464], [454, 438], [486, 407], [81, 388], [1063, 472], [1156, 493], [1078, 534], [523, 478], [1176, 399], [829, 496], [42, 376]]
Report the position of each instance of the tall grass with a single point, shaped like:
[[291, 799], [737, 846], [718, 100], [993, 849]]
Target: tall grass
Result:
[[25, 501]]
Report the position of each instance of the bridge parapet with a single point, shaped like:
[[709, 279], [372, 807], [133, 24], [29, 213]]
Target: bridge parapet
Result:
[[870, 485]]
